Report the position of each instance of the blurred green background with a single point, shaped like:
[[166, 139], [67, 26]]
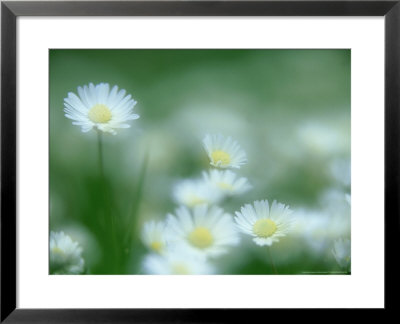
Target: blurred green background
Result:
[[288, 109]]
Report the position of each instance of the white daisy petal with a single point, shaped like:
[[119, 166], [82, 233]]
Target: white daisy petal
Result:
[[100, 108], [112, 96], [176, 261], [65, 255], [223, 152], [249, 213], [243, 225], [226, 182], [211, 234], [262, 209], [193, 193], [92, 92], [75, 103], [119, 96], [264, 223], [153, 236]]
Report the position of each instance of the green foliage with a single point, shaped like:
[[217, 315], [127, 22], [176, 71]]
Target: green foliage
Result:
[[273, 102]]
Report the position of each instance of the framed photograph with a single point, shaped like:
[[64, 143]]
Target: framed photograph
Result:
[[163, 161]]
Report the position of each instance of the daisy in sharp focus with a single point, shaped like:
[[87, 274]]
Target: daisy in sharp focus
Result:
[[176, 262], [153, 236], [96, 106], [266, 224], [193, 193], [224, 152], [226, 182], [203, 231], [65, 255]]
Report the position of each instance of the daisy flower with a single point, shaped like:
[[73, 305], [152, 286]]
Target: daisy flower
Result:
[[65, 255], [264, 223], [193, 193], [98, 107], [226, 182], [176, 262], [153, 236], [224, 152], [342, 252], [203, 231]]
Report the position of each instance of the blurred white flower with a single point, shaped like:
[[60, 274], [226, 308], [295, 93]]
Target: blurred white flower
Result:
[[91, 250], [176, 262], [323, 138], [193, 193], [348, 199], [224, 152], [316, 228], [320, 227], [342, 252], [65, 255], [340, 170], [153, 236], [336, 203], [203, 231], [226, 182], [265, 224], [98, 107]]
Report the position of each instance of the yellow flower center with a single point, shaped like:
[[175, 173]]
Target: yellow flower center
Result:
[[225, 186], [201, 237], [156, 246], [99, 114], [264, 228], [57, 250], [180, 269], [221, 158]]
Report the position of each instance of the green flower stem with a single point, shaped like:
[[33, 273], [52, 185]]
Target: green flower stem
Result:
[[100, 152], [271, 260], [137, 196], [109, 215]]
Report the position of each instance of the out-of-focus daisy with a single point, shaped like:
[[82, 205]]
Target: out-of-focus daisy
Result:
[[176, 262], [342, 252], [348, 199], [264, 223], [98, 107], [324, 138], [203, 231], [153, 236], [91, 251], [336, 203], [65, 255], [226, 182], [316, 228], [340, 171], [224, 152], [193, 193]]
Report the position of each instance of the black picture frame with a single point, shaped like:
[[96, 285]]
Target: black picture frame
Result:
[[11, 10]]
